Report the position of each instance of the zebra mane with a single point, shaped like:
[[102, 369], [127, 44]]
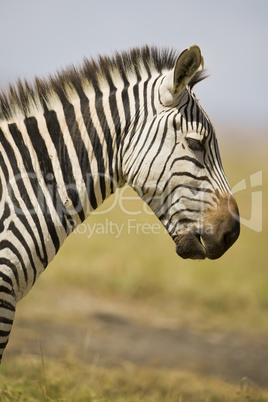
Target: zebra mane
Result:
[[24, 97]]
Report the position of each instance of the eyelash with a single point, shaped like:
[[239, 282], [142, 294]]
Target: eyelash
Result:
[[195, 145]]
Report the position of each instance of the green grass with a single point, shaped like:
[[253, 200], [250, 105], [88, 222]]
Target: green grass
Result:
[[72, 381]]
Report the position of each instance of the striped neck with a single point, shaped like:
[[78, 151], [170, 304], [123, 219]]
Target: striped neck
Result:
[[72, 149]]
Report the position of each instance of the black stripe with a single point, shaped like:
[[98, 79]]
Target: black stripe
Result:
[[125, 101], [197, 110], [126, 106], [126, 109], [113, 107], [116, 119], [105, 129], [1, 190], [187, 174], [154, 97], [136, 118], [4, 166], [181, 111], [145, 90], [5, 215], [128, 118], [177, 212], [6, 305], [190, 109], [137, 110], [4, 320], [6, 279], [188, 159], [4, 333], [2, 346], [6, 290]]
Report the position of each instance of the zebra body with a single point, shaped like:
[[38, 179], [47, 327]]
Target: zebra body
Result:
[[70, 142]]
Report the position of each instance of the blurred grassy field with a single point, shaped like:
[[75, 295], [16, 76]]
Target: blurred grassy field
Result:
[[140, 266]]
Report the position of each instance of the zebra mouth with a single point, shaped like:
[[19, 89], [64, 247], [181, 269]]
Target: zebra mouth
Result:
[[190, 245], [197, 247], [214, 235]]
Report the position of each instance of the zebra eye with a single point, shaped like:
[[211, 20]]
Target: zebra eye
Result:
[[194, 144]]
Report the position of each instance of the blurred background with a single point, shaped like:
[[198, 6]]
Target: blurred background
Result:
[[167, 327]]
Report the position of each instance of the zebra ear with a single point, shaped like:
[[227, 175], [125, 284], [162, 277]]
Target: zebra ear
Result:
[[187, 64]]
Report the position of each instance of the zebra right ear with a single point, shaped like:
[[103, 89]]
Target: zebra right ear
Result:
[[187, 64]]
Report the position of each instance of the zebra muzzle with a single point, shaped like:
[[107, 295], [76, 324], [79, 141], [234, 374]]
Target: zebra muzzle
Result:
[[219, 232]]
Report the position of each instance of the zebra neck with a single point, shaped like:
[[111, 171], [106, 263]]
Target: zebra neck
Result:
[[69, 150], [63, 167]]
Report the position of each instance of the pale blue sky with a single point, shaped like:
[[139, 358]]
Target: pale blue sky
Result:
[[40, 36]]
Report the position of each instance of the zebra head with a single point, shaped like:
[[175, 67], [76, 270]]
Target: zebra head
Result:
[[177, 168]]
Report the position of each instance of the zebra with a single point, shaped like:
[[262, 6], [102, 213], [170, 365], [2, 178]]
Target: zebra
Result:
[[69, 141]]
